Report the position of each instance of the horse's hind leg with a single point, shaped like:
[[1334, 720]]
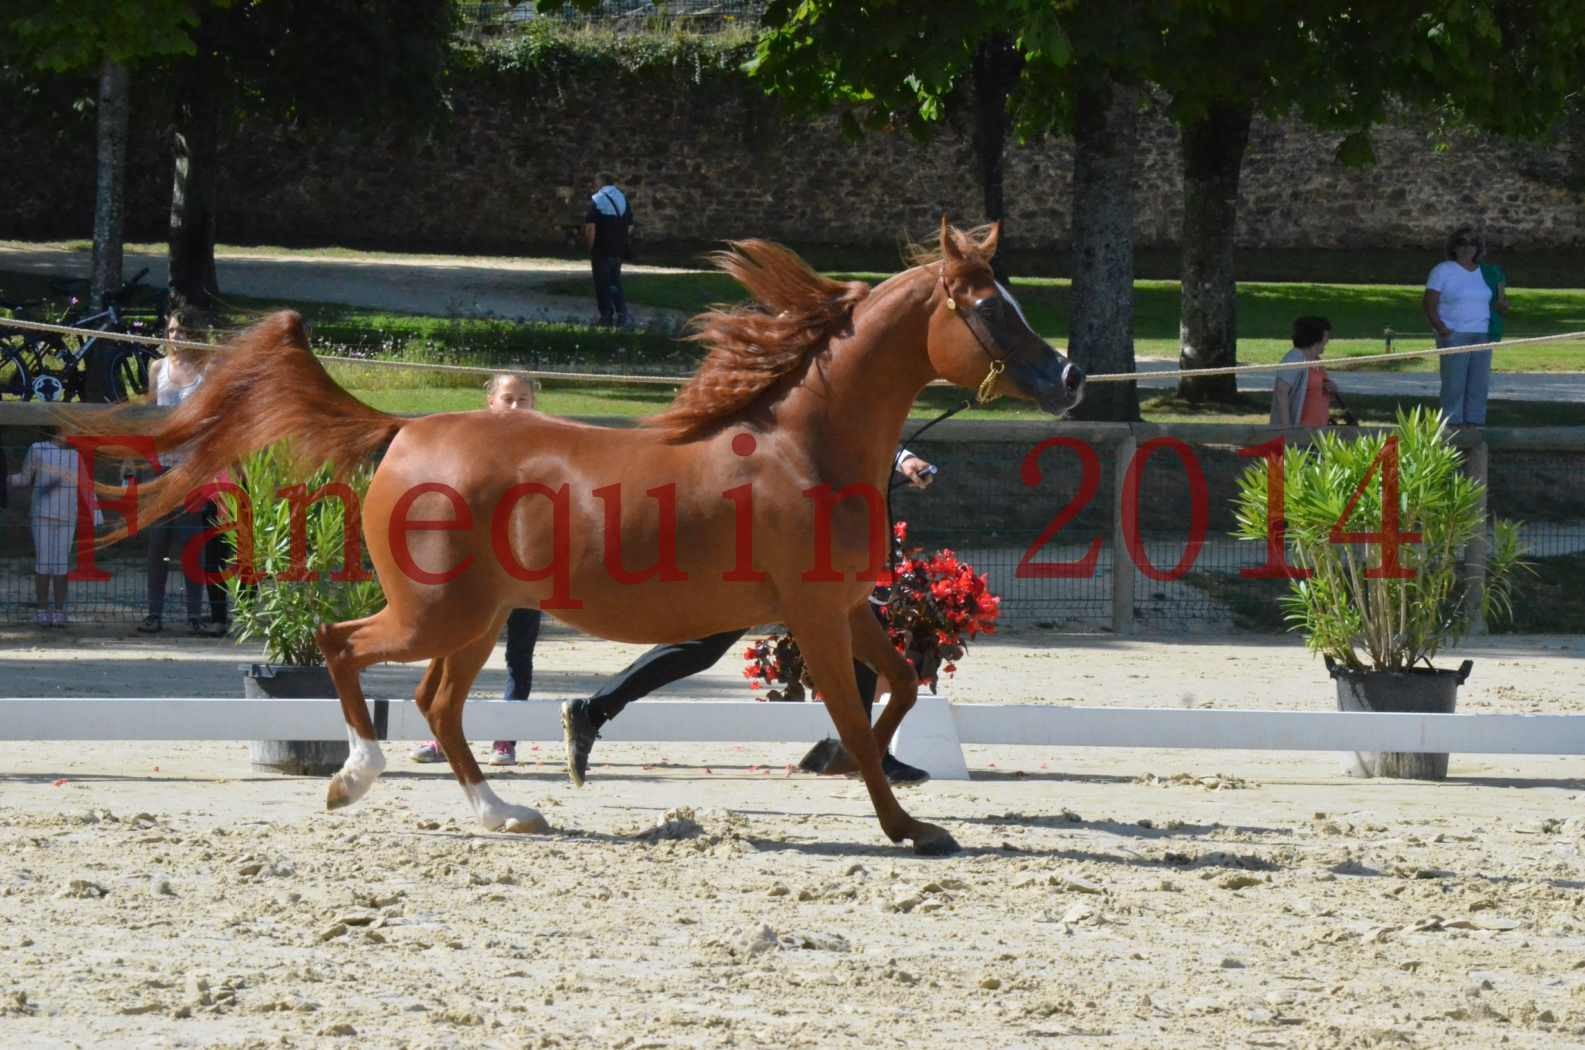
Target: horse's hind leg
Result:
[[349, 648], [458, 670]]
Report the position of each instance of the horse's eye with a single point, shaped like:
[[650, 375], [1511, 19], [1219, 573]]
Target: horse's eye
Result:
[[993, 309]]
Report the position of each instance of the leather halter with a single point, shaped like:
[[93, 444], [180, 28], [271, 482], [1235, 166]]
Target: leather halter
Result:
[[983, 336]]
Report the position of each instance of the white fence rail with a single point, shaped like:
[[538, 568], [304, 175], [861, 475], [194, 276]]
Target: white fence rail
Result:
[[932, 736]]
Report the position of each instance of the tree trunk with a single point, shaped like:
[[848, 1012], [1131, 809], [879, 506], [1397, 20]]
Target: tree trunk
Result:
[[1213, 154], [195, 146], [1101, 324], [996, 69], [110, 191]]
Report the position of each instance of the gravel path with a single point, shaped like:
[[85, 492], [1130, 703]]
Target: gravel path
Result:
[[441, 285]]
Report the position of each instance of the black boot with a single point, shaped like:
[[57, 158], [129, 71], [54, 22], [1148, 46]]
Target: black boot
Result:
[[579, 734]]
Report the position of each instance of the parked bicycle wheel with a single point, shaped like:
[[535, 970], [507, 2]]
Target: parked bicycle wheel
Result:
[[15, 382], [129, 372], [53, 367]]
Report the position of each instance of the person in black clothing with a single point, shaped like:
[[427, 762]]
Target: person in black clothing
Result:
[[606, 227], [664, 664], [215, 555]]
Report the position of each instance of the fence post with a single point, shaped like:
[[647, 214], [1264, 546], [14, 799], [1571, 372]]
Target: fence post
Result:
[[1479, 551], [1122, 564]]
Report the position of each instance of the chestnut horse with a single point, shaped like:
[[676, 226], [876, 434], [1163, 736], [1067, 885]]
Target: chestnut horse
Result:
[[720, 499]]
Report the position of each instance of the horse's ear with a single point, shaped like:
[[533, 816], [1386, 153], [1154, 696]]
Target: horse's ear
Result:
[[992, 239], [949, 242]]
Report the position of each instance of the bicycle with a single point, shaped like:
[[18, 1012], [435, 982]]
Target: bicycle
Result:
[[16, 347], [52, 367]]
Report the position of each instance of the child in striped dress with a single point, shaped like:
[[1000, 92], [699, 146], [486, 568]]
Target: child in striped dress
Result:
[[51, 468]]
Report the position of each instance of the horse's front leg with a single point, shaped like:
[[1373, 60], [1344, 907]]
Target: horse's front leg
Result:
[[457, 672], [347, 648], [825, 638], [872, 645]]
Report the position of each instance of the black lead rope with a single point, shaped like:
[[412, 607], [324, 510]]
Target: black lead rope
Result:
[[893, 483]]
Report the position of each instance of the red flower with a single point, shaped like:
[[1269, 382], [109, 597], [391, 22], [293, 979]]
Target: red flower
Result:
[[938, 603]]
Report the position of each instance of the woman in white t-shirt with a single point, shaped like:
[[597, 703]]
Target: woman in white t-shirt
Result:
[[51, 468], [1458, 303]]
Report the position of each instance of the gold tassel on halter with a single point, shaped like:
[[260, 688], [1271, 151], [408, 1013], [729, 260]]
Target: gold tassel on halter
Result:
[[983, 395]]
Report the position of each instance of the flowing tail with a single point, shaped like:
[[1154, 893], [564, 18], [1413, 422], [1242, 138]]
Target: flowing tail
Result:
[[266, 386]]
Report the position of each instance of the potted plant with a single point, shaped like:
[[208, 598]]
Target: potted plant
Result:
[[1377, 528], [286, 602]]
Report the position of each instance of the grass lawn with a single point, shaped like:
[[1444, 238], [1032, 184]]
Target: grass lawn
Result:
[[392, 392], [1359, 314], [584, 400]]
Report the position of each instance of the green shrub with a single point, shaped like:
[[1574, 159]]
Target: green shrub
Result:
[[1381, 623], [557, 55], [286, 614]]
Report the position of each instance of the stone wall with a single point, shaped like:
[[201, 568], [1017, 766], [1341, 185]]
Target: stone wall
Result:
[[709, 159]]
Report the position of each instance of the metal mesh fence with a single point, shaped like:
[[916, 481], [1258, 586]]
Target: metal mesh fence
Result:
[[1047, 546], [123, 596], [1062, 577]]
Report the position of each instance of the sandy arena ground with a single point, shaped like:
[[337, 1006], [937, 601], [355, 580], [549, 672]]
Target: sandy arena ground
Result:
[[166, 895]]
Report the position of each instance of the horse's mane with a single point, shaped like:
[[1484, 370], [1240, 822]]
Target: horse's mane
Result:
[[795, 313]]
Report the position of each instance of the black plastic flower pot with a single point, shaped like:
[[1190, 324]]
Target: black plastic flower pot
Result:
[[314, 758], [1420, 690]]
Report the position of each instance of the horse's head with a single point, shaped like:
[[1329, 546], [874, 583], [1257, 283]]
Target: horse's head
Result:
[[978, 336]]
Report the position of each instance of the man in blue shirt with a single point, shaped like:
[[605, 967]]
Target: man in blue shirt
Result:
[[606, 227]]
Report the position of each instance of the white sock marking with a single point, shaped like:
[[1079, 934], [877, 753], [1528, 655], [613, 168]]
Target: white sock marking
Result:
[[494, 813], [365, 762]]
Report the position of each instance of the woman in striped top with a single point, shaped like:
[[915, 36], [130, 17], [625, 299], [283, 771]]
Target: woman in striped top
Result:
[[51, 467]]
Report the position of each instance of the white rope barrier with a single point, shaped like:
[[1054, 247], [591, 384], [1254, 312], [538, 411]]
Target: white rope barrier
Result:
[[639, 380], [1342, 362]]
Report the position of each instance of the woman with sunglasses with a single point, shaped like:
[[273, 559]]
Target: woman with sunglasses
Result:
[[1459, 302]]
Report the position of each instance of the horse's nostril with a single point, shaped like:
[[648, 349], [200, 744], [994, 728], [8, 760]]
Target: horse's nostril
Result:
[[1072, 377]]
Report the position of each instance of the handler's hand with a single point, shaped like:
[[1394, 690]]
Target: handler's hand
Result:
[[917, 471]]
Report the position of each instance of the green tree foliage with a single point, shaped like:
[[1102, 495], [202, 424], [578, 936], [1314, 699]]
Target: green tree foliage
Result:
[[103, 37], [1502, 66], [1042, 68], [294, 62], [75, 36]]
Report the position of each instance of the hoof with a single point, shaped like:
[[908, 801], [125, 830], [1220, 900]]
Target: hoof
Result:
[[936, 842], [531, 825], [337, 796], [828, 758]]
